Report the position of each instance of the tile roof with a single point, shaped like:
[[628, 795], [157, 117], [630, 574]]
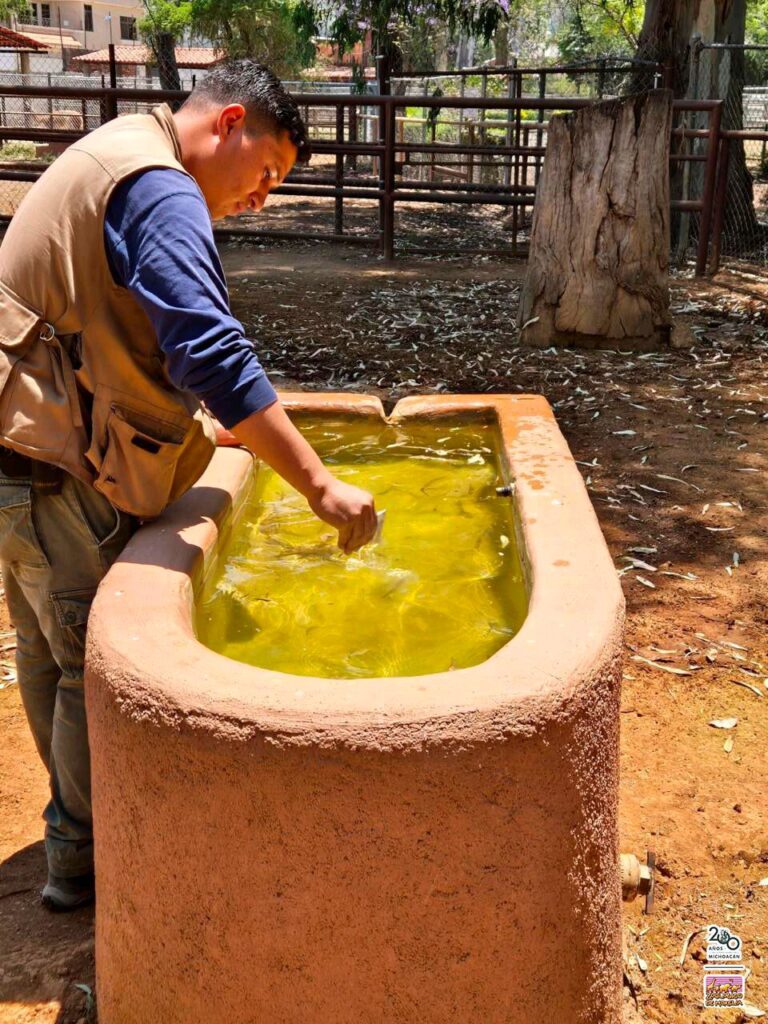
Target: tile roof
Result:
[[56, 42], [186, 56], [10, 40]]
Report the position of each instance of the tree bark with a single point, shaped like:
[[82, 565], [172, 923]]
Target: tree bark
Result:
[[501, 44], [668, 36], [597, 271], [164, 46]]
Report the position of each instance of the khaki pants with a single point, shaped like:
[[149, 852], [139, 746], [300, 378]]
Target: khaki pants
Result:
[[54, 551]]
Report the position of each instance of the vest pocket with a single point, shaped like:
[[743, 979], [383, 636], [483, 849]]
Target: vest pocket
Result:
[[139, 462], [39, 402]]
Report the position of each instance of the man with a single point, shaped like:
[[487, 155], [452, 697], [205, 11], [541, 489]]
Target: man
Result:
[[114, 327]]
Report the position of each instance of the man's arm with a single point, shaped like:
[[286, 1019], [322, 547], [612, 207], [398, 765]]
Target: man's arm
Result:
[[271, 436], [160, 246]]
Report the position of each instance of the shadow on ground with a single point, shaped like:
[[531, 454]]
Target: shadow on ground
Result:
[[43, 956]]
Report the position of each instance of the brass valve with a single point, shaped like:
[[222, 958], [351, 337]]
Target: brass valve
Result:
[[637, 878]]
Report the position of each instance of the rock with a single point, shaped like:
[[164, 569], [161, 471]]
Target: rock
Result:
[[681, 336]]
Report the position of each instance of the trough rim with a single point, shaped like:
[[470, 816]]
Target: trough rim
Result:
[[142, 645]]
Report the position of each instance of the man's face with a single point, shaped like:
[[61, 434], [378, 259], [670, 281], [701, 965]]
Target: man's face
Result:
[[247, 166]]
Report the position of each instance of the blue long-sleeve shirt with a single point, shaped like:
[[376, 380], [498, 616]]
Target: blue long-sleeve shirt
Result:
[[159, 243]]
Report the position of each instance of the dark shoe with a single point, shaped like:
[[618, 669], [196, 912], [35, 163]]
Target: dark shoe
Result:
[[61, 894]]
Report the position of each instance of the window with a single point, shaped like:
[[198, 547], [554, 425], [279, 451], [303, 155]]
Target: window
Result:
[[29, 17], [127, 28], [88, 17], [45, 14]]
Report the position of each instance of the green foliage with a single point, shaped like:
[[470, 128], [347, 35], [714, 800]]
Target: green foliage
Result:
[[264, 30], [388, 19], [756, 61], [9, 7], [18, 151], [757, 22], [530, 28], [359, 81], [600, 28], [261, 29], [172, 16], [420, 42]]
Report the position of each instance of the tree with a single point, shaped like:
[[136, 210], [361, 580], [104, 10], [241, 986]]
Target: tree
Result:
[[756, 61], [669, 35], [598, 264], [9, 8], [600, 28], [164, 23], [264, 30], [349, 23]]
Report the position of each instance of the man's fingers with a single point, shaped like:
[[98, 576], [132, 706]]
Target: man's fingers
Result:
[[359, 526], [373, 522], [368, 525], [357, 536], [358, 532]]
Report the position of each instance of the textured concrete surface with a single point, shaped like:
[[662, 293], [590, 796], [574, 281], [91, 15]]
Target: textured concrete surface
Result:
[[287, 849]]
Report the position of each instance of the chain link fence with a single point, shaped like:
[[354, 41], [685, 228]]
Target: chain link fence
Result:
[[738, 75], [466, 150]]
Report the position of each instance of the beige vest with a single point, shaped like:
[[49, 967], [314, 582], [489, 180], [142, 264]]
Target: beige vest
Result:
[[82, 378]]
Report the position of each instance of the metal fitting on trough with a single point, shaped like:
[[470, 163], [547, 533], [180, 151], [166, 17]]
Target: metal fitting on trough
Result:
[[637, 878], [506, 491]]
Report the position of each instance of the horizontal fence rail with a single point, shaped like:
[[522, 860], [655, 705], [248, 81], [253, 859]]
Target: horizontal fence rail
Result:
[[391, 150]]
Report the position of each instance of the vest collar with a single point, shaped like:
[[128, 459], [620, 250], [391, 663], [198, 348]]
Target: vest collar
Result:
[[162, 114]]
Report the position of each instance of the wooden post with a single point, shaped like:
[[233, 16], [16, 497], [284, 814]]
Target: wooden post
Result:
[[597, 272]]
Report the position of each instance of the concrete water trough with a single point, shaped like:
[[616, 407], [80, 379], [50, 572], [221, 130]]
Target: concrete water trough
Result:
[[441, 847]]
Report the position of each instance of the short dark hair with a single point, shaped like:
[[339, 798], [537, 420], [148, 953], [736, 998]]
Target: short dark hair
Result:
[[268, 106]]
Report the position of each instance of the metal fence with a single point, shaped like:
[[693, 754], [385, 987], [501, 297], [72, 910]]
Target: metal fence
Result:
[[599, 79], [470, 141], [394, 152], [738, 75]]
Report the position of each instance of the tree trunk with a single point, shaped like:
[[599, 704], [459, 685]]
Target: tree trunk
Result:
[[164, 46], [668, 29], [597, 272], [501, 44]]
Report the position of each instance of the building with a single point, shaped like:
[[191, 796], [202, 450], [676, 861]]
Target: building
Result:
[[137, 61], [15, 50], [70, 24]]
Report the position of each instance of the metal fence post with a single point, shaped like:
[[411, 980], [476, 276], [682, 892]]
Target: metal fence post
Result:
[[708, 195], [508, 134], [352, 158], [601, 68], [111, 104], [723, 167], [339, 202], [388, 182], [516, 159]]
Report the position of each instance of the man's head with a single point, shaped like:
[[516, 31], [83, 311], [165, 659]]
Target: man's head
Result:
[[240, 135]]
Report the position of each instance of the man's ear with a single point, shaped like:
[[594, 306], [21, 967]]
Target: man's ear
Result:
[[230, 119]]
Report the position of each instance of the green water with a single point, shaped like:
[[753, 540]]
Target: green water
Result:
[[443, 589]]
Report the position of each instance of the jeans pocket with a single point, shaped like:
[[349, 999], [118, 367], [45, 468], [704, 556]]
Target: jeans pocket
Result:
[[14, 493], [100, 518], [19, 539], [72, 608]]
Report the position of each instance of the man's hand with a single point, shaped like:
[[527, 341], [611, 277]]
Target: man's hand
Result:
[[271, 436], [349, 509]]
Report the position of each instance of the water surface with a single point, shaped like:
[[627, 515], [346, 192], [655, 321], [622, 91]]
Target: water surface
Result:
[[442, 590]]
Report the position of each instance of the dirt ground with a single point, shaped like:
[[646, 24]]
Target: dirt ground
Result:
[[672, 446]]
